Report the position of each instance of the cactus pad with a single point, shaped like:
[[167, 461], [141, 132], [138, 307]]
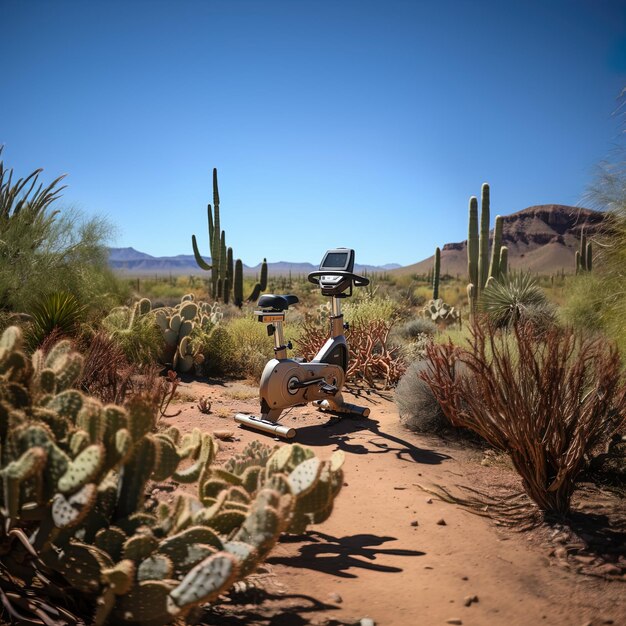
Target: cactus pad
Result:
[[82, 469], [304, 477], [206, 580], [69, 512], [155, 567]]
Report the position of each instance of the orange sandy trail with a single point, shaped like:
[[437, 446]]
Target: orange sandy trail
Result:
[[370, 559]]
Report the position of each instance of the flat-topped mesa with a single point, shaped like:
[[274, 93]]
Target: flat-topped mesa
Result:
[[544, 223], [550, 222], [541, 238]]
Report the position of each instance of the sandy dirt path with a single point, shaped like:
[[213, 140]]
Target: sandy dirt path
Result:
[[391, 552]]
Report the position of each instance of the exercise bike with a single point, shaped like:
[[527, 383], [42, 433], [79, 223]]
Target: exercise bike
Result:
[[289, 382]]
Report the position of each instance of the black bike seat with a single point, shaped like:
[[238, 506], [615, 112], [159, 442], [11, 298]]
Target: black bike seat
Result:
[[277, 303]]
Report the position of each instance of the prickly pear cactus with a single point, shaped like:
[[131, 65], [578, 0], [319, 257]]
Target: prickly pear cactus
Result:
[[74, 513], [438, 311], [181, 326]]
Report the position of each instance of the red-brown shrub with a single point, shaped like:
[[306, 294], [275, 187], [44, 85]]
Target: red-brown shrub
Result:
[[545, 400]]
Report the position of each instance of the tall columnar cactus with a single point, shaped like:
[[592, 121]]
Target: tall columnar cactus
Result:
[[494, 265], [221, 266], [238, 284], [230, 267], [74, 476], [214, 242], [504, 259], [223, 259], [483, 243], [589, 257], [436, 272], [584, 255], [471, 297], [480, 267], [472, 241], [263, 281]]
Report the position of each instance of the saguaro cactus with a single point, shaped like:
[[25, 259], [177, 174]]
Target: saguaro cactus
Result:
[[436, 272], [238, 285], [221, 266], [504, 257], [472, 241], [483, 242], [480, 268], [494, 266], [584, 255], [263, 280]]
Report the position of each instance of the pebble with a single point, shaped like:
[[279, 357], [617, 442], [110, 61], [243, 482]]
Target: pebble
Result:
[[335, 597], [464, 578], [223, 434], [367, 621], [454, 620], [414, 523], [429, 500], [585, 559], [468, 600], [561, 552], [609, 569], [441, 522]]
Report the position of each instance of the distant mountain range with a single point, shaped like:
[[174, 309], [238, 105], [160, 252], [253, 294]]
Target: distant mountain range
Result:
[[135, 263], [541, 239]]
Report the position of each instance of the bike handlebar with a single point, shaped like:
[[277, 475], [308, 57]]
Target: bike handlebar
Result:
[[359, 281]]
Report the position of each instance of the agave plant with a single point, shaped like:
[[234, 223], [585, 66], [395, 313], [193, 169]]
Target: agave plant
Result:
[[515, 297], [59, 311]]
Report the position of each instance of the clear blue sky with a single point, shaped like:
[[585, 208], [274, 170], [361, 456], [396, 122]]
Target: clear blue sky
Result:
[[332, 123]]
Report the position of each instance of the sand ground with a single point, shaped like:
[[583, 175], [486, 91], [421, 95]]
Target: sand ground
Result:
[[394, 553]]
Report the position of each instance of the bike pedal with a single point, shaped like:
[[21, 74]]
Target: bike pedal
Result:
[[331, 390]]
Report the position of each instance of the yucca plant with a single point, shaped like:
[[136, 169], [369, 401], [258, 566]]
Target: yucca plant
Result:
[[24, 194], [513, 298], [59, 311]]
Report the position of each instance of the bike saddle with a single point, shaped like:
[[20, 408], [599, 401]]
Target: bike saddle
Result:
[[276, 303]]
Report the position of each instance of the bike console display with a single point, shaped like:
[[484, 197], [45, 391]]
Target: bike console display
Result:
[[335, 273], [341, 259]]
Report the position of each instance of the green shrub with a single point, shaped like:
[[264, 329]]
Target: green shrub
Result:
[[417, 406], [608, 193], [365, 308], [240, 347], [414, 328], [45, 250], [139, 336], [584, 308]]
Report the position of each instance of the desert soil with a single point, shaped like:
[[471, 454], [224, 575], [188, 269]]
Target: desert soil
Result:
[[392, 552]]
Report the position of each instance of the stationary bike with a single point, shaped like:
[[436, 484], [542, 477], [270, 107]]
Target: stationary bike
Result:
[[291, 382]]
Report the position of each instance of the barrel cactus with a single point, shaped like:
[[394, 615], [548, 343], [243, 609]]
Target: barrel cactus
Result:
[[75, 520]]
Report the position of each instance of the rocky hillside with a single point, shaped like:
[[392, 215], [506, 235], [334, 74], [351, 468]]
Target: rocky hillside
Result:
[[541, 239]]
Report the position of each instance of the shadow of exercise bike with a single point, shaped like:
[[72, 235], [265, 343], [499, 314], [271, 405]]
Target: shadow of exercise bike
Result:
[[339, 555], [339, 430]]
